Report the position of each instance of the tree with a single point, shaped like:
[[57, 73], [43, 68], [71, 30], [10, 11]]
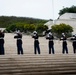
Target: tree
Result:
[[62, 28], [40, 28], [20, 26], [72, 9], [12, 27], [29, 28]]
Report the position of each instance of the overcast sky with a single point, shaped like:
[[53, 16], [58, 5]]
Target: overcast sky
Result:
[[42, 9]]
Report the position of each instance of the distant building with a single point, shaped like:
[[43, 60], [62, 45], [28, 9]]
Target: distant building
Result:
[[67, 18]]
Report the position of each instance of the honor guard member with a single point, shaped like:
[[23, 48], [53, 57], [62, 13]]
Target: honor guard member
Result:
[[74, 43], [36, 42], [18, 36], [2, 43], [64, 44], [51, 43]]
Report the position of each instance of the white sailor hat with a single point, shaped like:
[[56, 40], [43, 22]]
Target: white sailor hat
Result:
[[18, 31], [35, 32], [50, 33], [63, 34]]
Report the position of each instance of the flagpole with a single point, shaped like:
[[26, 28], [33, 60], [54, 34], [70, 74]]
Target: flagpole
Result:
[[53, 9]]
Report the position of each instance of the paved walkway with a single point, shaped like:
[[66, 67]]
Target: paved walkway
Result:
[[28, 42], [31, 64]]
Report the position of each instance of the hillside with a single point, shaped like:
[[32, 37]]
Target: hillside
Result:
[[5, 21]]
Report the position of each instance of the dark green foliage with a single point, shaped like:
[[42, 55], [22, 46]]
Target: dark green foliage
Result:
[[62, 28], [11, 28], [6, 21], [72, 9], [40, 28], [23, 24], [19, 26], [29, 28]]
